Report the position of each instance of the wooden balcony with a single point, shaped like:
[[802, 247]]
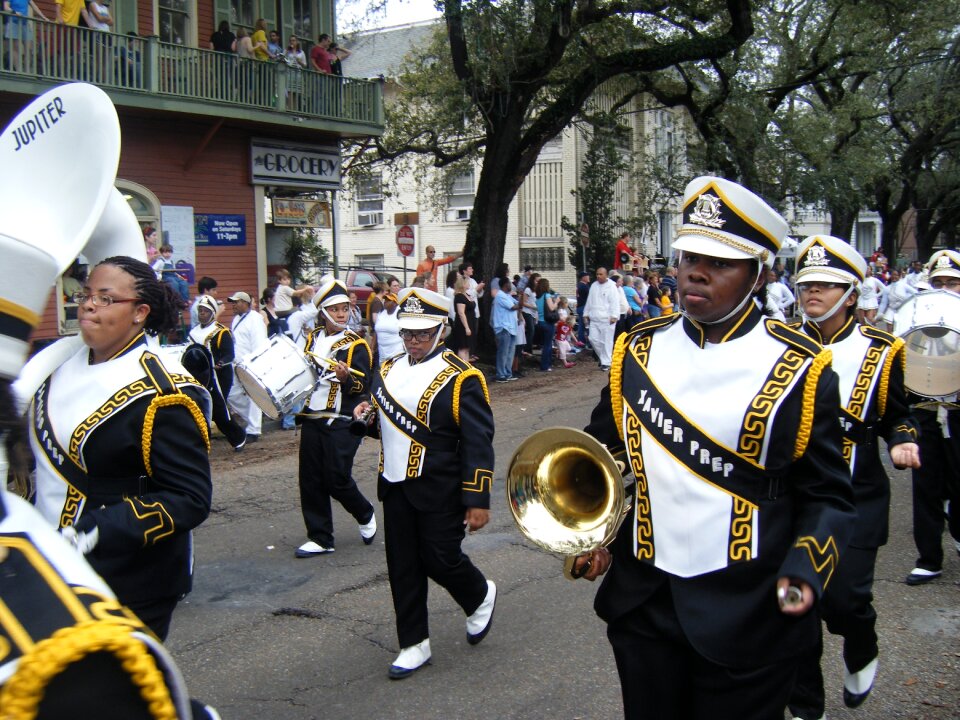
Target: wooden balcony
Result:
[[146, 73]]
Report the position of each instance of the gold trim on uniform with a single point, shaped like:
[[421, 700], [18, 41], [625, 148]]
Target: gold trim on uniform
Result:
[[895, 349], [821, 361], [120, 398], [20, 312], [423, 404], [755, 422], [847, 449], [458, 383], [741, 530], [750, 250], [164, 527], [71, 505], [160, 401], [823, 558], [414, 459], [860, 393], [482, 480], [23, 692], [644, 524]]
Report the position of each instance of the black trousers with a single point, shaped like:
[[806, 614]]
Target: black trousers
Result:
[[222, 418], [662, 676], [156, 614], [937, 479], [326, 471], [423, 545], [847, 609]]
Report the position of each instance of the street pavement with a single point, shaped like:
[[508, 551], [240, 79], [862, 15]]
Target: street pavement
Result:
[[265, 636]]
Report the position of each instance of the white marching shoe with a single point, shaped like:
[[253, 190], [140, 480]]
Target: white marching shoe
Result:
[[410, 660], [311, 549], [856, 686], [369, 530], [478, 624]]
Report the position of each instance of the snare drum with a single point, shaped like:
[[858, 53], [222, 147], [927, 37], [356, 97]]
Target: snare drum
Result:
[[929, 324], [276, 376]]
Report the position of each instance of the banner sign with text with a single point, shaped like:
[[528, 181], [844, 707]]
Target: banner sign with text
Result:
[[286, 165], [220, 230], [301, 213]]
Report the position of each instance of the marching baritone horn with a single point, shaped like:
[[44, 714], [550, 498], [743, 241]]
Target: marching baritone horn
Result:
[[566, 492]]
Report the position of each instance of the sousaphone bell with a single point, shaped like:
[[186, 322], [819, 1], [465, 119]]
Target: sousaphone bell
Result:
[[566, 492]]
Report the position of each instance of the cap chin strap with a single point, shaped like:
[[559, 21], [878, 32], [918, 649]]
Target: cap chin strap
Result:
[[749, 296], [832, 311], [330, 320]]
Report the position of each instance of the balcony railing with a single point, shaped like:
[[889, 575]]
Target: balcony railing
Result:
[[60, 53]]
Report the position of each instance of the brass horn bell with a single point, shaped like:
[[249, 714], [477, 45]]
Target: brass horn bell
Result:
[[566, 491]]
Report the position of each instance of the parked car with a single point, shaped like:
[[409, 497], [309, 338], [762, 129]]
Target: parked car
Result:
[[361, 280]]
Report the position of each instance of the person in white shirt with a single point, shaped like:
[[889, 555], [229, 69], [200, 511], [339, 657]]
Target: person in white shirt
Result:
[[283, 295], [601, 315], [301, 322], [474, 289], [869, 300], [528, 307], [779, 297], [894, 296], [249, 333]]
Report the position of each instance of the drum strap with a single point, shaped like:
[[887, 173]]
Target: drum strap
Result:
[[856, 430]]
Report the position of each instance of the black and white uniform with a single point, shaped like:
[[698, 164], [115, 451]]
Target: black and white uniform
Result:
[[123, 445], [218, 342], [326, 445], [873, 402], [436, 430], [63, 632], [739, 482], [937, 479]]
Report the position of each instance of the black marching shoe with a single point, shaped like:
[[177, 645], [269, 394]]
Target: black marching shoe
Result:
[[410, 660], [478, 624], [921, 576], [856, 686]]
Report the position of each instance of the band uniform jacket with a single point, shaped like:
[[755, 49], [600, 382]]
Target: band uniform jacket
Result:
[[739, 480], [332, 400], [60, 622], [124, 445], [219, 340], [436, 430], [870, 365]]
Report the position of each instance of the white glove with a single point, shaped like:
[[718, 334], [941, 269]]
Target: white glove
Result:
[[84, 542]]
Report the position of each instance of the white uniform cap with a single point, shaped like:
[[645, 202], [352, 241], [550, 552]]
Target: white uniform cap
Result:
[[944, 263], [725, 220], [824, 258], [422, 309], [332, 292]]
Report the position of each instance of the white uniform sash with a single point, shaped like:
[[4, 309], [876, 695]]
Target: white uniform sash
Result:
[[701, 459], [404, 395]]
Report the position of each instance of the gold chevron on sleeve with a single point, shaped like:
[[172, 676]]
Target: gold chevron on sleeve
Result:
[[824, 558], [161, 524], [482, 481]]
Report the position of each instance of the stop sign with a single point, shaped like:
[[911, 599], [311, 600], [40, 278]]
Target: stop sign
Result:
[[405, 240]]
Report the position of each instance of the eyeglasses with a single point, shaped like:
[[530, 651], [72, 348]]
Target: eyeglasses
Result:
[[100, 300], [417, 335], [805, 286], [948, 283]]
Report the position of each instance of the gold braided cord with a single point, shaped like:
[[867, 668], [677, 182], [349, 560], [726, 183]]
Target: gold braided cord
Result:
[[821, 361], [23, 693], [888, 361], [472, 372], [760, 254], [160, 401], [616, 381]]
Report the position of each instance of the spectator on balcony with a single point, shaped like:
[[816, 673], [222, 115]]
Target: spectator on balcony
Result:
[[244, 45], [296, 62], [320, 55], [223, 40], [274, 46], [259, 40], [338, 54], [98, 15], [128, 61], [19, 32], [70, 11]]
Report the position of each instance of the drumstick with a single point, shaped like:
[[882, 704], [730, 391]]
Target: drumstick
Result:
[[332, 364]]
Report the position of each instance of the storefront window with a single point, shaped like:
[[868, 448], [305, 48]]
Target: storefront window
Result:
[[174, 21]]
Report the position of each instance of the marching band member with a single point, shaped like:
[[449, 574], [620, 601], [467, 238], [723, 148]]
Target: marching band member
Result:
[[873, 404], [327, 446], [743, 502], [67, 647], [938, 479], [436, 461], [121, 440], [217, 340]]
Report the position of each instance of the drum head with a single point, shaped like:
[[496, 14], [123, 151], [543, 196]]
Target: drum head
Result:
[[259, 394], [930, 327]]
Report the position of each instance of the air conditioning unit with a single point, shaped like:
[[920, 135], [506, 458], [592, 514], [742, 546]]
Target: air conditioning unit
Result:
[[459, 214], [369, 219]]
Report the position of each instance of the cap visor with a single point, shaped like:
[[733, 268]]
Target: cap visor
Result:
[[829, 275], [708, 246], [949, 272], [419, 323]]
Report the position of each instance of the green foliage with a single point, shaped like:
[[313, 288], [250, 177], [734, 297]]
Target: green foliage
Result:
[[304, 255]]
